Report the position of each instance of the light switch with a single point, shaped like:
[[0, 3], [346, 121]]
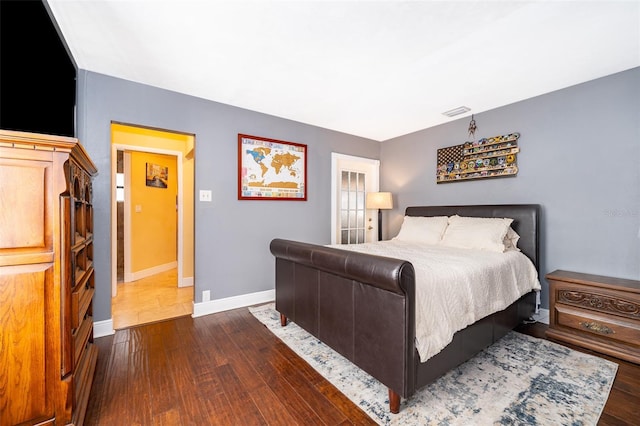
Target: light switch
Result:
[[205, 195], [138, 208]]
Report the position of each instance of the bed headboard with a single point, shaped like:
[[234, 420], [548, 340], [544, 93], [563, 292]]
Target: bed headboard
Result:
[[525, 220]]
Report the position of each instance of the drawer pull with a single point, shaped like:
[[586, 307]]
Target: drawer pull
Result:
[[598, 328]]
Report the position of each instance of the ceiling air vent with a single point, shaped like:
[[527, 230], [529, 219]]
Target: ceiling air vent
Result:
[[456, 111]]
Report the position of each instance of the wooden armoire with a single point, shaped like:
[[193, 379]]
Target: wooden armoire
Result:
[[47, 355]]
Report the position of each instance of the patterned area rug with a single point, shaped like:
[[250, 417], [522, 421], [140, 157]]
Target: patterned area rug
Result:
[[520, 380]]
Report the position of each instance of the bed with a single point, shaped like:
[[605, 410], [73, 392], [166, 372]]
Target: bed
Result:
[[364, 305]]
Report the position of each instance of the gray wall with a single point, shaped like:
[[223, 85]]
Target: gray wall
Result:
[[232, 237], [579, 158]]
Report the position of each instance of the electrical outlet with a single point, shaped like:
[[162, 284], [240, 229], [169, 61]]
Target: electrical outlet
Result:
[[206, 295], [205, 195]]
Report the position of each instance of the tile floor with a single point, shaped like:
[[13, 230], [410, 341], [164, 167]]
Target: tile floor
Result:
[[151, 299]]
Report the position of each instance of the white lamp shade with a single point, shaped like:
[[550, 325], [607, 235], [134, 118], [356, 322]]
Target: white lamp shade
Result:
[[379, 200]]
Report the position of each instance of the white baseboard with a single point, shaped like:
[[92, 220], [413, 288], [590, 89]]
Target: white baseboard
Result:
[[103, 328], [542, 316], [219, 305], [135, 276], [186, 282]]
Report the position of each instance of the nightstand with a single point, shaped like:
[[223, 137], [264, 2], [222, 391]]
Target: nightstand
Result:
[[595, 312]]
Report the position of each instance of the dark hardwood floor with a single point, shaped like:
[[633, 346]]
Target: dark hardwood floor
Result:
[[228, 369]]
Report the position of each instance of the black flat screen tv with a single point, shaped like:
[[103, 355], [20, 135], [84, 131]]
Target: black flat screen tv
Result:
[[37, 74]]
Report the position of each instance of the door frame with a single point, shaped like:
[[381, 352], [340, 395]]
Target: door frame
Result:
[[336, 158], [127, 216]]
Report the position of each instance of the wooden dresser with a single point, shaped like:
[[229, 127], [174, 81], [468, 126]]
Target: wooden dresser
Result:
[[595, 312], [47, 355]]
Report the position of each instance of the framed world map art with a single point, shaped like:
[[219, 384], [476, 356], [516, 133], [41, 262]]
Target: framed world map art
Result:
[[270, 169]]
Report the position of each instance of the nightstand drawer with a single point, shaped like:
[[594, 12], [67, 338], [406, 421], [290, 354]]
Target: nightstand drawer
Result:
[[595, 312], [602, 300], [591, 322]]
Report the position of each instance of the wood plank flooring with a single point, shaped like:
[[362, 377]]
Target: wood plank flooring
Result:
[[228, 369], [151, 299]]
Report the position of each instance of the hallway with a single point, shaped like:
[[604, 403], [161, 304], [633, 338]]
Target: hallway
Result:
[[151, 299]]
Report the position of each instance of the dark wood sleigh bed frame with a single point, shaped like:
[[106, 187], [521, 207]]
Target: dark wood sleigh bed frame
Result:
[[363, 305]]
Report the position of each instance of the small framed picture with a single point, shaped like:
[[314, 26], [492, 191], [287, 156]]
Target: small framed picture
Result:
[[157, 176]]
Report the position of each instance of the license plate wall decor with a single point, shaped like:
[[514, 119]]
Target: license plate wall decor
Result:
[[485, 158]]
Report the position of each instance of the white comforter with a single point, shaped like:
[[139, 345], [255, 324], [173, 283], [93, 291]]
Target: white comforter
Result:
[[456, 287]]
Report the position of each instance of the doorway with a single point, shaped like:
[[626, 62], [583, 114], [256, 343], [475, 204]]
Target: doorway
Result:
[[351, 179], [152, 224]]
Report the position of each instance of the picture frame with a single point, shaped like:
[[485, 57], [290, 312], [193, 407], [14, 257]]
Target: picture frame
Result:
[[157, 176], [270, 169]]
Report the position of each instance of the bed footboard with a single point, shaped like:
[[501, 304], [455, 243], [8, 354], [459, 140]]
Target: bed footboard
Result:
[[361, 305]]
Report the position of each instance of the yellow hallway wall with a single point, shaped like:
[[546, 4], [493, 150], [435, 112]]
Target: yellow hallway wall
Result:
[[153, 214]]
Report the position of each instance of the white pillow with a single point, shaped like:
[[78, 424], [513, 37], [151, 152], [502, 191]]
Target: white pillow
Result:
[[482, 233], [422, 229], [511, 240]]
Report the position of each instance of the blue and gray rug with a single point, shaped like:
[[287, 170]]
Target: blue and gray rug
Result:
[[520, 380]]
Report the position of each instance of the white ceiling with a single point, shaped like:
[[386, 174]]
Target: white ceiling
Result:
[[377, 69]]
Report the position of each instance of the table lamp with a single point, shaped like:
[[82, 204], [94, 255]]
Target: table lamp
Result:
[[380, 201]]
